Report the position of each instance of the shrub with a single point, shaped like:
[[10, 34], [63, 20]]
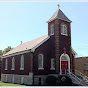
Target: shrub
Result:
[[50, 80], [64, 80]]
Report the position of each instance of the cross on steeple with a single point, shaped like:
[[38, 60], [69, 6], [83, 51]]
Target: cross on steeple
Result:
[[58, 6]]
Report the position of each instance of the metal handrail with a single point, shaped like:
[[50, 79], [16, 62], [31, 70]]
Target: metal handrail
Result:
[[84, 77], [76, 78]]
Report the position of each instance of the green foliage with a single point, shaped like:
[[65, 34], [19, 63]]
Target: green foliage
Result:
[[7, 49], [64, 80], [10, 84], [50, 80], [1, 53]]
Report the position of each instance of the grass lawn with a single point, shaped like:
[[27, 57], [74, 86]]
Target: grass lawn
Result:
[[9, 84]]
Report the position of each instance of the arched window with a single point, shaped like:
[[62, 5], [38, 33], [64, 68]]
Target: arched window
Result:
[[6, 64], [22, 63], [64, 29], [52, 64], [13, 63], [52, 30], [40, 61], [63, 58]]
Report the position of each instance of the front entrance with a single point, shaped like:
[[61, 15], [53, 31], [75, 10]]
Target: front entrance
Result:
[[64, 67], [64, 64]]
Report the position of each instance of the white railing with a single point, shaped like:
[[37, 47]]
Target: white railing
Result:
[[84, 77], [76, 79]]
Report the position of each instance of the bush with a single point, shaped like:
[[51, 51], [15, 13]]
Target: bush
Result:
[[50, 80], [64, 80]]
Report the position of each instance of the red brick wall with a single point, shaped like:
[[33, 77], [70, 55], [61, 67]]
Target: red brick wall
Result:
[[79, 64], [17, 70], [48, 51]]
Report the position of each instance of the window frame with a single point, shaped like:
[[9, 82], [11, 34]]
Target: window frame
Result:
[[85, 66], [13, 64], [6, 64], [52, 62], [63, 29], [22, 62], [52, 29], [40, 68]]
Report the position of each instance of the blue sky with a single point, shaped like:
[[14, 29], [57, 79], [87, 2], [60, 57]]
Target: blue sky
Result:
[[25, 21]]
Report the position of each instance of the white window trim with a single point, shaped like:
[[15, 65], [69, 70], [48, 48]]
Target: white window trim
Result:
[[51, 30], [85, 66], [22, 58], [13, 63], [40, 68], [64, 34], [52, 68], [6, 64], [21, 68], [12, 69], [62, 29]]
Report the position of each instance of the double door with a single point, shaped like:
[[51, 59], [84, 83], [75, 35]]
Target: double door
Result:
[[64, 67]]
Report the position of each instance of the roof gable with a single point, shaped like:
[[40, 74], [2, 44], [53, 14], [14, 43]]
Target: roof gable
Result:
[[60, 15], [33, 44]]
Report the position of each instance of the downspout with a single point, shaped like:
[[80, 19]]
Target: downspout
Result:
[[32, 64]]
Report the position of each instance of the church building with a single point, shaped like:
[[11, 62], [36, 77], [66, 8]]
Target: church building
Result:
[[31, 62]]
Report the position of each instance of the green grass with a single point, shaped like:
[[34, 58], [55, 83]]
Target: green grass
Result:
[[9, 84]]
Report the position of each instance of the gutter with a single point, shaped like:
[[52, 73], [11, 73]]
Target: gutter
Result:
[[16, 53]]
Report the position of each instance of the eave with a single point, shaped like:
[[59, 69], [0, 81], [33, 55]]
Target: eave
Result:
[[58, 18]]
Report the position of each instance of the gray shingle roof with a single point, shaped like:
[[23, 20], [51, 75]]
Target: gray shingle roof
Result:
[[60, 15]]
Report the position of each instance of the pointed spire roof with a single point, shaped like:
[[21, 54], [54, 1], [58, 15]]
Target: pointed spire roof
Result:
[[60, 15]]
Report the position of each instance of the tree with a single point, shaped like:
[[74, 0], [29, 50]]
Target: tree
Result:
[[1, 53], [7, 49]]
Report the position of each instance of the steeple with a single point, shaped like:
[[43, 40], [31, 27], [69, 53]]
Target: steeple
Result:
[[59, 30], [60, 15]]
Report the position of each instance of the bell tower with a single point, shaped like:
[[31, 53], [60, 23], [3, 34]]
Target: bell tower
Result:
[[59, 27]]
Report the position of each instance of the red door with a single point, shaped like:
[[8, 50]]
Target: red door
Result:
[[64, 67]]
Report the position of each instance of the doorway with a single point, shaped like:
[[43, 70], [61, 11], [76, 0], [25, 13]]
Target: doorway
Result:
[[64, 67], [64, 64]]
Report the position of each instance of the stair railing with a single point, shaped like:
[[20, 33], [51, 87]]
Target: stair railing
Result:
[[76, 79], [84, 77]]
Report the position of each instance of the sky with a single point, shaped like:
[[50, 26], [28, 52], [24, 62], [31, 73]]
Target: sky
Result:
[[25, 21]]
